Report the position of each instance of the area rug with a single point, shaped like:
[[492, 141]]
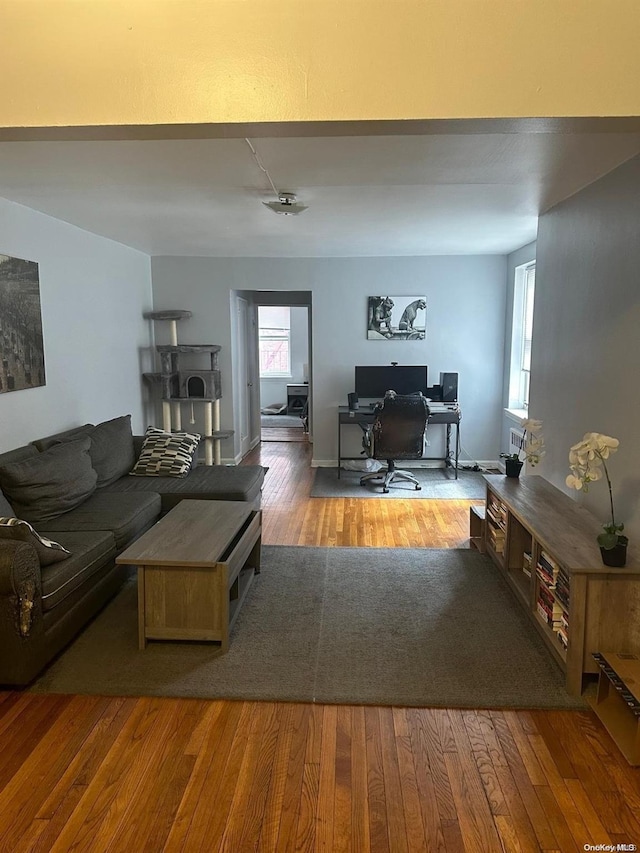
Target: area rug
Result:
[[435, 483], [288, 421], [421, 627]]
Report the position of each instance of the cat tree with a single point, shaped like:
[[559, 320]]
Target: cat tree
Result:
[[180, 385]]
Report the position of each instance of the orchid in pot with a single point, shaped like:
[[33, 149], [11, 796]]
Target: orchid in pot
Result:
[[588, 462], [531, 444]]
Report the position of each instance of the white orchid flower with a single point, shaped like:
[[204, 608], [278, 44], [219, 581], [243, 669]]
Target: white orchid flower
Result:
[[587, 464], [531, 425], [574, 482]]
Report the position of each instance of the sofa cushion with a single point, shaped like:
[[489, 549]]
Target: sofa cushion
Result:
[[48, 441], [166, 454], [51, 483], [47, 550], [212, 482], [6, 510], [111, 449], [91, 551], [126, 516], [27, 451]]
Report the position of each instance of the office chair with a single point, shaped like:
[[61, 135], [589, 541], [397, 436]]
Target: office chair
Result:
[[397, 432]]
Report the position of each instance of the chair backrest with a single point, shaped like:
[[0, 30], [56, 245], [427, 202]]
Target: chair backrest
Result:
[[399, 427]]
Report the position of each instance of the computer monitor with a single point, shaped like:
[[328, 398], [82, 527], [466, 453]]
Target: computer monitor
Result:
[[374, 381]]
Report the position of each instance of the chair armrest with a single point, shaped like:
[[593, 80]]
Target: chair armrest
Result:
[[20, 581]]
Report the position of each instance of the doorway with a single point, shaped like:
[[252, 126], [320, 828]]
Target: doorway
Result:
[[283, 369]]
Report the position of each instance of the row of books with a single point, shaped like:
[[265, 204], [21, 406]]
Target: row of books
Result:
[[553, 597], [496, 538], [548, 608], [547, 570], [562, 630], [497, 525], [497, 513]]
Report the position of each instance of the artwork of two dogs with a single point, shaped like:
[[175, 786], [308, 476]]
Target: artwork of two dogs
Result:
[[383, 322]]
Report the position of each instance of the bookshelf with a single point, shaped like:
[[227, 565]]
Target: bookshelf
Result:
[[544, 543], [617, 702]]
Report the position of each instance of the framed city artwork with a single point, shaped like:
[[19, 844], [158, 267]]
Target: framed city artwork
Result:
[[21, 343]]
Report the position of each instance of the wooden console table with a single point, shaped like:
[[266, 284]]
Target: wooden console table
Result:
[[545, 545], [195, 567]]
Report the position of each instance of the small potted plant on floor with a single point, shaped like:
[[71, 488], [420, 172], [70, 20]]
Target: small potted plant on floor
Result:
[[587, 460], [531, 445]]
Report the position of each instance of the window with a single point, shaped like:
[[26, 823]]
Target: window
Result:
[[522, 332], [274, 325]]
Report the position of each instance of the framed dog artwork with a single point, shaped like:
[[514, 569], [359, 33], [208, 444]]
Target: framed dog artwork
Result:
[[397, 318]]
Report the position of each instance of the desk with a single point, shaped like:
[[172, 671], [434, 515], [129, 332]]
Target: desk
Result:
[[439, 415]]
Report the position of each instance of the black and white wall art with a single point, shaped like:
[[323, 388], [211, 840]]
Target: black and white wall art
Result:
[[396, 318], [21, 343]]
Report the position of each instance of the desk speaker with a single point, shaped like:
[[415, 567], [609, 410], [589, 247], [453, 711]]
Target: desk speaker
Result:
[[353, 402], [449, 382]]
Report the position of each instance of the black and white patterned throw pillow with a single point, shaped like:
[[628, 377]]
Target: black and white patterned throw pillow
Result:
[[166, 454], [19, 530]]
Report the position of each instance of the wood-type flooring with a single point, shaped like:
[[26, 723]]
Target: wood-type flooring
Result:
[[86, 773]]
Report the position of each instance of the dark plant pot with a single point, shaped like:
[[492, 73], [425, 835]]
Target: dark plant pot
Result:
[[512, 467], [616, 556]]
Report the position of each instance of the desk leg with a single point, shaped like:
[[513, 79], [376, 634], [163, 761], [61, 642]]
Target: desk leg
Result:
[[447, 448], [457, 447], [339, 449]]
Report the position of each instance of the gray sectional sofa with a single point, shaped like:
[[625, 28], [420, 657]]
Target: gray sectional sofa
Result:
[[75, 488]]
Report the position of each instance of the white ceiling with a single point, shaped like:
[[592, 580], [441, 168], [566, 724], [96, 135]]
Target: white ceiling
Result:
[[467, 193]]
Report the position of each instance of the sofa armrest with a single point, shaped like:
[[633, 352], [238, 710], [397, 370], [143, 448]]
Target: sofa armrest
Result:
[[20, 582]]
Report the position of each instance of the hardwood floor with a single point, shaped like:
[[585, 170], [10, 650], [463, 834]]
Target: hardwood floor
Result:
[[86, 773], [291, 517]]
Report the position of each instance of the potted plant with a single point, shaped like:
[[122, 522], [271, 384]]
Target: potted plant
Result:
[[587, 460], [531, 444]]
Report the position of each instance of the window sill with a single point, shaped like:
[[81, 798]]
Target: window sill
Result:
[[279, 377], [516, 414]]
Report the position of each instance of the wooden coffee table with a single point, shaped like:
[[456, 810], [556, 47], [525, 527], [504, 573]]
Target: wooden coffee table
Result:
[[195, 567]]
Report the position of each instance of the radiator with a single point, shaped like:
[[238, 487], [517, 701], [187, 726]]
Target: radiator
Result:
[[515, 437]]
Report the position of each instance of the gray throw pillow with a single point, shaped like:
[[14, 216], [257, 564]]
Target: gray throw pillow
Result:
[[47, 550], [111, 450], [53, 482]]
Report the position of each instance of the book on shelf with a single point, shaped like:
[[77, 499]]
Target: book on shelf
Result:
[[550, 611], [563, 638], [527, 561], [547, 579], [562, 591], [548, 561]]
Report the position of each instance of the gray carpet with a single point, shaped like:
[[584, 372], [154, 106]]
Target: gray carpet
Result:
[[289, 421], [354, 625], [435, 483]]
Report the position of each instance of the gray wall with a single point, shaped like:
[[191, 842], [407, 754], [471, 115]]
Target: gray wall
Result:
[[586, 345], [96, 343], [465, 327]]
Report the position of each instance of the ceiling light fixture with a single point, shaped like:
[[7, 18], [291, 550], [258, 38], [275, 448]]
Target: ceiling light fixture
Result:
[[287, 203]]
